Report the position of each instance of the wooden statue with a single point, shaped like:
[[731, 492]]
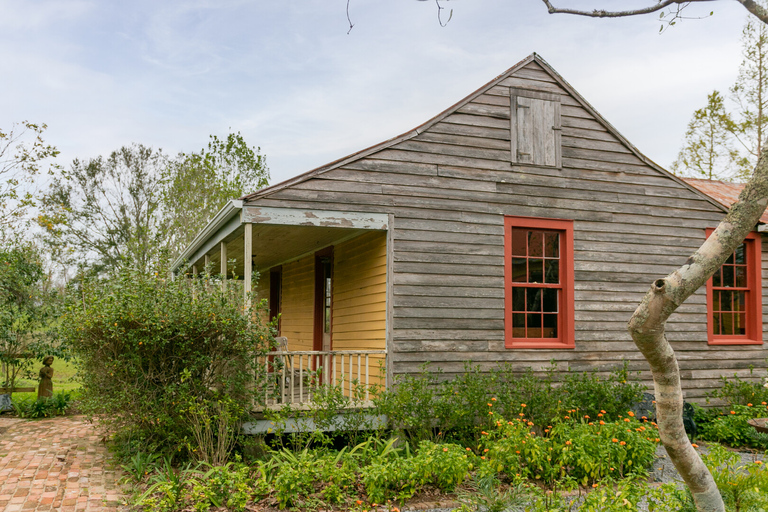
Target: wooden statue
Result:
[[45, 390]]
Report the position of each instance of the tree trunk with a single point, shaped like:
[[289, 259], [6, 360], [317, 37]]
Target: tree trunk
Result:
[[647, 327]]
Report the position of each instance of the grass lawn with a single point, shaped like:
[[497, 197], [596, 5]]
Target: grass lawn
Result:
[[64, 378]]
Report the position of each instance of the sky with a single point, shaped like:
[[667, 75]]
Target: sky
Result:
[[289, 77]]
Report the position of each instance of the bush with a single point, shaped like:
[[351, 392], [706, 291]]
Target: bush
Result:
[[731, 427], [159, 355], [29, 407], [424, 407], [578, 451], [736, 391]]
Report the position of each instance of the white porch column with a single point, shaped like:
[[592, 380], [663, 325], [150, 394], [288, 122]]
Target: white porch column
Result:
[[248, 262], [223, 268]]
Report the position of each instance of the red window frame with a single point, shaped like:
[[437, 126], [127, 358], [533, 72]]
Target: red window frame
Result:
[[565, 310], [753, 298]]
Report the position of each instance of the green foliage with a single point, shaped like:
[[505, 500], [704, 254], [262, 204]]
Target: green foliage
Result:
[[576, 451], [197, 185], [29, 407], [624, 495], [156, 355], [737, 391], [427, 407], [298, 477], [670, 497], [443, 466], [139, 465], [23, 156], [731, 427], [26, 310], [743, 486]]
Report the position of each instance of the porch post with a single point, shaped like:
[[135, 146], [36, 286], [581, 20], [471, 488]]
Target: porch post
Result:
[[207, 261], [223, 266], [248, 263]]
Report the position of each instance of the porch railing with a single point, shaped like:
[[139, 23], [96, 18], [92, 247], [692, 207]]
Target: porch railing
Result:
[[295, 377]]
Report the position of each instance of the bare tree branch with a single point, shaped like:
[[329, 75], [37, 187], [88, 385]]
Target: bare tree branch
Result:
[[602, 13], [349, 19], [756, 9], [439, 19]]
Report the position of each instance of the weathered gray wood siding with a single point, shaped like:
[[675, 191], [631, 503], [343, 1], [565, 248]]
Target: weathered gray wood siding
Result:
[[449, 189]]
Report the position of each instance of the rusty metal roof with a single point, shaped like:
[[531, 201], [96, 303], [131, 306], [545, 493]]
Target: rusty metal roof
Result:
[[721, 191]]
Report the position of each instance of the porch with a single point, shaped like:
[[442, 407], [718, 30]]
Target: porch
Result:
[[325, 276], [296, 379]]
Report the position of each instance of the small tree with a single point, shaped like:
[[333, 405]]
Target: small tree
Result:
[[170, 363]]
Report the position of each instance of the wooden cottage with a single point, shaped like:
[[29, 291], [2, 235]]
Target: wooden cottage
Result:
[[516, 226]]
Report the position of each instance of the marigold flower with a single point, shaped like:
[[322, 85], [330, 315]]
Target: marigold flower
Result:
[[485, 451], [483, 457], [594, 486], [483, 432], [567, 417], [600, 415], [490, 413], [590, 423], [764, 403], [749, 405], [493, 399], [733, 412], [657, 439], [469, 449], [758, 462], [626, 419], [602, 411], [623, 443], [521, 414], [517, 451], [358, 502], [694, 445], [445, 449], [615, 440], [523, 405], [586, 416], [631, 414], [490, 405], [568, 443]]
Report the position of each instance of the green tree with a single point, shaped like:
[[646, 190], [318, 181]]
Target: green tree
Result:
[[104, 213], [708, 150], [724, 141], [23, 156], [197, 185], [25, 309]]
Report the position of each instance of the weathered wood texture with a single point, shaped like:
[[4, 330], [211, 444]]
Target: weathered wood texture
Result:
[[449, 188]]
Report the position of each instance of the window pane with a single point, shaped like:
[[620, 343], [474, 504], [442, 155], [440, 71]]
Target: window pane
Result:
[[550, 326], [534, 325], [519, 247], [535, 244], [726, 323], [726, 298], [535, 271], [727, 275], [550, 300], [552, 271], [716, 300], [717, 279], [518, 325], [534, 299], [518, 299], [739, 301], [729, 261], [741, 254], [518, 270], [552, 245], [741, 324], [741, 277]]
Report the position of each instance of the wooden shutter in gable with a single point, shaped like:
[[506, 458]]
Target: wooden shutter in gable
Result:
[[535, 125]]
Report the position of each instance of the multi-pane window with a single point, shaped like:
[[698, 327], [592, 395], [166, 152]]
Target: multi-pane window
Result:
[[733, 297], [539, 275]]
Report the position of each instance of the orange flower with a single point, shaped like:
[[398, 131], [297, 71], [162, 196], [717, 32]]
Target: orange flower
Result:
[[521, 415], [493, 399], [567, 417], [749, 405], [594, 486], [586, 416], [600, 415], [602, 422], [485, 451], [657, 439], [631, 414], [626, 419], [484, 433], [764, 403], [733, 412], [758, 462], [694, 445], [483, 457], [445, 449], [469, 450], [490, 405], [602, 411], [523, 405], [590, 423], [517, 451], [568, 443], [358, 502], [622, 443], [490, 413], [615, 440]]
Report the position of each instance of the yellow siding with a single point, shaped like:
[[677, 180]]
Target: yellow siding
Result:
[[297, 306], [359, 293]]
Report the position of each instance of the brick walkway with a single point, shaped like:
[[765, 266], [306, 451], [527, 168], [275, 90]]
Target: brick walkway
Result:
[[56, 464]]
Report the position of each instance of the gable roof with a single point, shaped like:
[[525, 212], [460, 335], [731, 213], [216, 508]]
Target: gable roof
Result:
[[423, 127], [723, 192]]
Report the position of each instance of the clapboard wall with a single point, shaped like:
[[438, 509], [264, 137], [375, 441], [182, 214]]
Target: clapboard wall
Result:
[[449, 188]]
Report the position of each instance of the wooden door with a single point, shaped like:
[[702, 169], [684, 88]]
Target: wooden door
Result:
[[323, 302]]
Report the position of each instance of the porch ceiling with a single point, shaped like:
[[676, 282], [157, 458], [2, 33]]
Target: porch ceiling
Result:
[[276, 244]]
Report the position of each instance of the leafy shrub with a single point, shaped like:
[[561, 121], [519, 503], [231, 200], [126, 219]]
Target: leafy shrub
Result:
[[736, 391], [731, 427], [425, 407], [743, 486], [443, 466], [29, 407], [151, 349], [582, 452], [309, 478]]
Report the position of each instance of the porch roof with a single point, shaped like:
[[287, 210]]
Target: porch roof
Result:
[[279, 234]]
